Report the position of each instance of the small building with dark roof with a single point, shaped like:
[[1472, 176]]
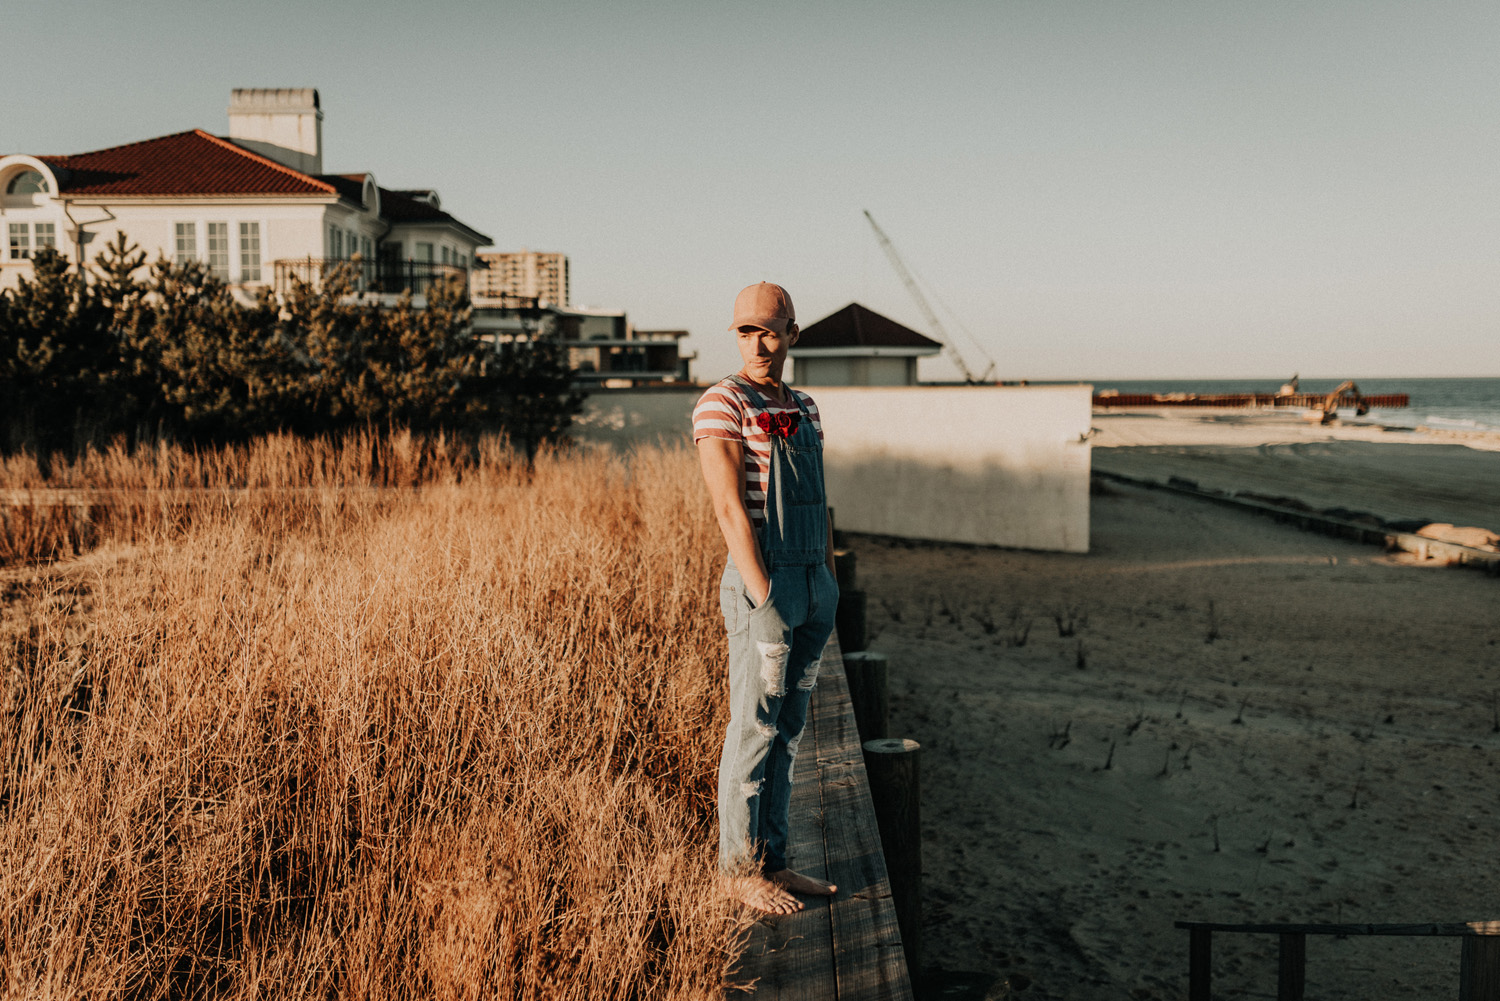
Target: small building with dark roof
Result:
[[857, 346]]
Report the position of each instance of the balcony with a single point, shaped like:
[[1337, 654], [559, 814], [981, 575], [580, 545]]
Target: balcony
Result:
[[379, 276]]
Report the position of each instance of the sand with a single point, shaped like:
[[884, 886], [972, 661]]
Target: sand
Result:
[[1243, 722]]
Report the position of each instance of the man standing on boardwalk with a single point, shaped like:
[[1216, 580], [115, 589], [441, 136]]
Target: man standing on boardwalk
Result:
[[760, 444]]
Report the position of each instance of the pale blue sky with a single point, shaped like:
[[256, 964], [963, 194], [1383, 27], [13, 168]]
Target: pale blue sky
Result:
[[1097, 189]]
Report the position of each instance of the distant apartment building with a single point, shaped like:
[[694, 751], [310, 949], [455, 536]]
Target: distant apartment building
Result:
[[255, 206], [602, 346], [529, 274]]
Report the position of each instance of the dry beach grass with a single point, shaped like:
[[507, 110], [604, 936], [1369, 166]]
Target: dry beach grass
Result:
[[385, 718]]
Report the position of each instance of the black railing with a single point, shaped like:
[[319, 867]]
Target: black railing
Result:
[[393, 277]]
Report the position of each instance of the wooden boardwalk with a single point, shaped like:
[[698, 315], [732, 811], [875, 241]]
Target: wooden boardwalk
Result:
[[847, 948]]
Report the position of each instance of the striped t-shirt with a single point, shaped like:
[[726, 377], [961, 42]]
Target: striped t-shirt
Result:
[[726, 411]]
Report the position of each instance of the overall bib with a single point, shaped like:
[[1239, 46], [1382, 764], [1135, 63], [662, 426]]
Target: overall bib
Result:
[[774, 650]]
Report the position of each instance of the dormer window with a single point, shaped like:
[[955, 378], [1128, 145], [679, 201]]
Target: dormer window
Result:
[[29, 182]]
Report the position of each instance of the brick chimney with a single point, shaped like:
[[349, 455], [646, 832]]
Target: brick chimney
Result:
[[283, 123]]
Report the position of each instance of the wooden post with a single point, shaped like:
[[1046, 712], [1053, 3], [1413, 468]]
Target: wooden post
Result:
[[867, 674], [845, 562], [1200, 964], [849, 620], [1291, 967], [895, 787], [1479, 968]]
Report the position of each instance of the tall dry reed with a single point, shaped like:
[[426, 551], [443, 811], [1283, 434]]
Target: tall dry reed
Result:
[[453, 738]]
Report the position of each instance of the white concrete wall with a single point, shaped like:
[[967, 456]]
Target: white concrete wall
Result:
[[1003, 466]]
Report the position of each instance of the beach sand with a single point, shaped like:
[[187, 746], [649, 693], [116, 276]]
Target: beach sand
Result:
[[1246, 722]]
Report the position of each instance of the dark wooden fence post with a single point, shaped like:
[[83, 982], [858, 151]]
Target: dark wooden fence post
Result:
[[895, 787], [849, 618], [1200, 964], [845, 563], [867, 673], [1479, 968], [1291, 967]]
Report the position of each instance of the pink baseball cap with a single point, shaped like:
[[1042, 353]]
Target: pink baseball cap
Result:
[[763, 305]]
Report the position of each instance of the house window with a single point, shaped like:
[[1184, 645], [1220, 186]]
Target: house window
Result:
[[335, 242], [353, 243], [20, 241], [218, 250], [447, 255], [364, 248], [46, 235], [424, 253], [28, 182], [249, 251], [187, 243]]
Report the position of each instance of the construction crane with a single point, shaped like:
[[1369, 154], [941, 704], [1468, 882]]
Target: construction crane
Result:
[[904, 273]]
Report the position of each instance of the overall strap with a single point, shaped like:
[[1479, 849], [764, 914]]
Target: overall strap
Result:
[[755, 398], [759, 400]]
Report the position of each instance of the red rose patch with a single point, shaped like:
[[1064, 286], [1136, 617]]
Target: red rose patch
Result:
[[778, 425]]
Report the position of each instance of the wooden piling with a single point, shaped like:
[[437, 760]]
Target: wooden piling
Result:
[[868, 676], [1200, 964], [849, 620], [895, 787], [1291, 967], [845, 562], [1479, 968]]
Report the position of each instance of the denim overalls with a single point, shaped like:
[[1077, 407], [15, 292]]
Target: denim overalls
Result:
[[774, 650]]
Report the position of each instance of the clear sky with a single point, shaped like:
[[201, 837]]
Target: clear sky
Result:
[[1098, 190]]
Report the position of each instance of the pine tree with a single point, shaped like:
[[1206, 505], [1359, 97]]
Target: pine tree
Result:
[[55, 356], [172, 353]]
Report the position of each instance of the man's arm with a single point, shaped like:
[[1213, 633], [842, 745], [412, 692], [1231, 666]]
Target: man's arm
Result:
[[723, 463]]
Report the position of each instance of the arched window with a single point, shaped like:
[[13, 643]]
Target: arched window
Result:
[[28, 182]]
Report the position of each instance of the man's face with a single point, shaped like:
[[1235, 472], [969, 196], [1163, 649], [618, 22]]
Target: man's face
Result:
[[764, 351]]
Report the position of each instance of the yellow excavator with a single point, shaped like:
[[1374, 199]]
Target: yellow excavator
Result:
[[1331, 402]]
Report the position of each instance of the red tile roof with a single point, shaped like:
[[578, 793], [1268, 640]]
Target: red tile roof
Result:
[[196, 164], [854, 326], [185, 164]]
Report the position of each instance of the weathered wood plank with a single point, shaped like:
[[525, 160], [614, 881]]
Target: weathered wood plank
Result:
[[870, 961], [849, 948], [791, 957]]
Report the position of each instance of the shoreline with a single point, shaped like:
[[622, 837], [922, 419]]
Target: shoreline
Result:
[[1399, 476]]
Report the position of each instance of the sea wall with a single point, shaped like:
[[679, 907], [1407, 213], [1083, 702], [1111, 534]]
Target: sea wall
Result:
[[992, 465]]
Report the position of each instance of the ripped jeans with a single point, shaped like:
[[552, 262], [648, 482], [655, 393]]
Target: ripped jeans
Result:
[[774, 653]]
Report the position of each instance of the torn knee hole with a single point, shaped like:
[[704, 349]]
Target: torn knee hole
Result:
[[773, 658]]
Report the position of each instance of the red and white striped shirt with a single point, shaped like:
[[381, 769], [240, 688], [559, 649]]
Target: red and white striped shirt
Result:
[[726, 411]]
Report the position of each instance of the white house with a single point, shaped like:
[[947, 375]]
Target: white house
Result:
[[255, 206]]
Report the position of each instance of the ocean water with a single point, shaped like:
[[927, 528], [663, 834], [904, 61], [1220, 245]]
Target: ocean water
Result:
[[1450, 404]]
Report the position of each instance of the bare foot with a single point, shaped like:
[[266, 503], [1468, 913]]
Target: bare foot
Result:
[[761, 894], [798, 883]]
